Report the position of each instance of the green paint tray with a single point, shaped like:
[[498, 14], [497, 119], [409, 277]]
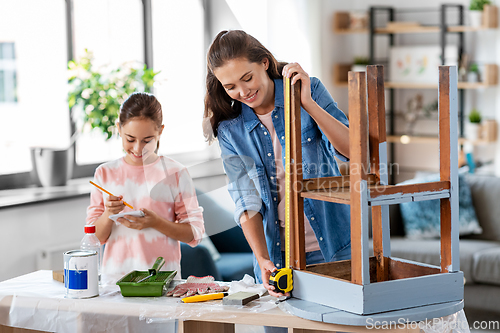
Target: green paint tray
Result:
[[154, 286], [154, 283]]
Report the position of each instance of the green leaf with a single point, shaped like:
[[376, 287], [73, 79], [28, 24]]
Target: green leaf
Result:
[[116, 84], [478, 4], [475, 116]]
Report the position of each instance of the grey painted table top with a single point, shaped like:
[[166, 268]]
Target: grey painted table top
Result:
[[317, 312]]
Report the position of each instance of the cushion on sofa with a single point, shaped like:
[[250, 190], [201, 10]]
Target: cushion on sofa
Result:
[[428, 251], [231, 240], [231, 254], [486, 267], [482, 298], [421, 219], [485, 192], [218, 208]]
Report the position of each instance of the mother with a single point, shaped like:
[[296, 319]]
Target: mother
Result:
[[244, 110]]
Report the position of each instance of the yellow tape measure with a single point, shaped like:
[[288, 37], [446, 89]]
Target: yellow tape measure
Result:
[[281, 279]]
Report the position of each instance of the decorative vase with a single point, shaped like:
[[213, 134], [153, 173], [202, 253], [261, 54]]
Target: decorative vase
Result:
[[358, 20], [52, 167], [472, 131], [472, 77], [476, 18], [358, 68]]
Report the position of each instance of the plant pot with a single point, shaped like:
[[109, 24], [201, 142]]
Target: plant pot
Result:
[[52, 167], [358, 68], [472, 77], [476, 18], [473, 131]]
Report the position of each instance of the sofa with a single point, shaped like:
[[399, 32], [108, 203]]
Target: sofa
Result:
[[479, 253], [224, 252]]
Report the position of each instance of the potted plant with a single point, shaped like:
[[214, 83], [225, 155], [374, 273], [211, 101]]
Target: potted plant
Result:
[[474, 75], [360, 64], [476, 12], [94, 98], [474, 125], [96, 93]]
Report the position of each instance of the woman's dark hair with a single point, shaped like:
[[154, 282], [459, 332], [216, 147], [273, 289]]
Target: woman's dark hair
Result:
[[229, 45], [143, 106]]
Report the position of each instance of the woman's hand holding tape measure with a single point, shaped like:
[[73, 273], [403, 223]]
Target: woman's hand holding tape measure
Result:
[[267, 268]]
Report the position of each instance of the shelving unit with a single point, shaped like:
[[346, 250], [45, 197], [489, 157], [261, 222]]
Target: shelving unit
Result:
[[406, 139], [420, 85], [341, 24], [427, 29], [392, 27], [342, 19], [342, 69], [444, 29]]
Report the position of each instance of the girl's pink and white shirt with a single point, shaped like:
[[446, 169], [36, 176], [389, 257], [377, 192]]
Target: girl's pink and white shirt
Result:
[[164, 187]]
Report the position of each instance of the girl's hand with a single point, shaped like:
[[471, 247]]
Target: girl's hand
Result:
[[300, 74], [114, 205], [266, 268], [149, 220]]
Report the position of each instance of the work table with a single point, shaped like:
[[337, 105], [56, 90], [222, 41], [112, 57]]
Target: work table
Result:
[[36, 301]]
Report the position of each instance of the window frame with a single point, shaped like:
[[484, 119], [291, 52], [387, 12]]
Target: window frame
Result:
[[25, 179]]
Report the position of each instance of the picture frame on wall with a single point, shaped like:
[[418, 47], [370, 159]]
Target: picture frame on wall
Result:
[[419, 63]]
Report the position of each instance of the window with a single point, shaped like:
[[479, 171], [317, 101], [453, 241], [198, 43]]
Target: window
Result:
[[113, 31], [33, 75], [179, 53], [8, 79], [33, 106]]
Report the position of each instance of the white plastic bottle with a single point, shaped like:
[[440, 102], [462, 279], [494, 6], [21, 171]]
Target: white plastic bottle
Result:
[[92, 243]]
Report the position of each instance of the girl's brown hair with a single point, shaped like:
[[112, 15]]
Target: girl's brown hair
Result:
[[229, 45], [143, 106]]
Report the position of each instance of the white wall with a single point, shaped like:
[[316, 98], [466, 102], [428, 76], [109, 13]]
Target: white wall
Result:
[[41, 86], [483, 46], [266, 20], [221, 18]]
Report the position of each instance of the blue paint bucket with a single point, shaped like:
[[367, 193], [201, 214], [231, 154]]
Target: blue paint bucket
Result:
[[81, 277]]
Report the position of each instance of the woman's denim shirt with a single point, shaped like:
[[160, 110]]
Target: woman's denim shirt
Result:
[[248, 157]]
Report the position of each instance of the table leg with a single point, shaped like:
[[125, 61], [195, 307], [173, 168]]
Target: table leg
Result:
[[193, 326]]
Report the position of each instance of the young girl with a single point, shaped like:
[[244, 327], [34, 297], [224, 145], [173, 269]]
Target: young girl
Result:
[[157, 185], [244, 109]]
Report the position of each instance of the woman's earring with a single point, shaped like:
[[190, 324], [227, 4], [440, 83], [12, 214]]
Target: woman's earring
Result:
[[232, 103]]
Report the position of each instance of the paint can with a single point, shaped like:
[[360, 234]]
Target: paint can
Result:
[[81, 277]]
